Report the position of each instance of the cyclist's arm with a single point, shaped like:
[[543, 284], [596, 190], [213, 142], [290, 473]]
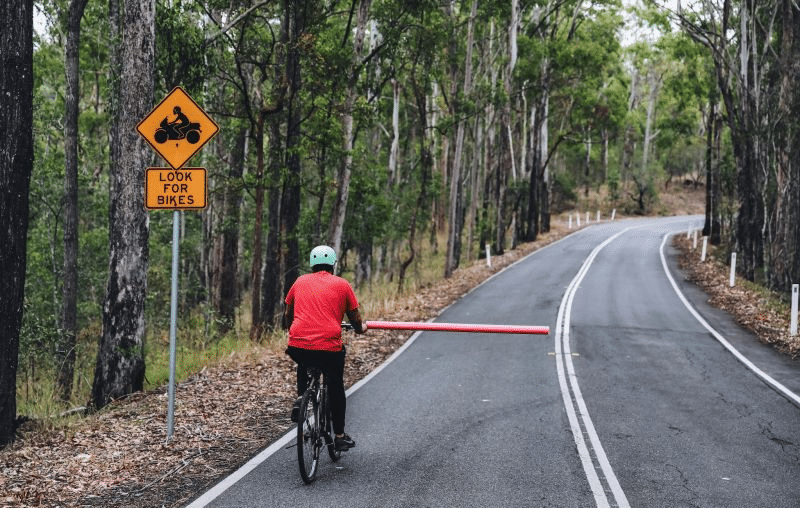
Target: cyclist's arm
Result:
[[355, 319], [288, 316]]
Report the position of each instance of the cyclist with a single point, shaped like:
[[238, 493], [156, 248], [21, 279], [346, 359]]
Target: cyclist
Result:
[[314, 308]]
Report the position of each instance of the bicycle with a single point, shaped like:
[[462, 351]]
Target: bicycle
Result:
[[315, 423], [314, 426]]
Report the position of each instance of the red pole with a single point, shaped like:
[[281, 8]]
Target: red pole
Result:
[[457, 327]]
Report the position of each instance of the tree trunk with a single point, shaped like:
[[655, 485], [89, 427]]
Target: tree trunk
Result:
[[16, 165], [346, 167], [65, 350], [712, 226], [455, 206], [256, 323], [120, 358], [587, 159], [534, 161], [543, 168], [272, 264], [273, 285], [296, 14], [792, 24], [784, 267], [501, 184], [225, 261]]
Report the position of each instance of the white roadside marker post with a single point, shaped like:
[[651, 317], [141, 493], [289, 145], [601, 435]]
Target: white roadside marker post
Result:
[[705, 247], [733, 270], [793, 326]]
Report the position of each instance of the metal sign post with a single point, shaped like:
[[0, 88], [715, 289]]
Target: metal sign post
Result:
[[173, 323]]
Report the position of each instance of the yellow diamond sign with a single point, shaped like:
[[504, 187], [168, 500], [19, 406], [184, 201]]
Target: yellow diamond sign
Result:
[[177, 128]]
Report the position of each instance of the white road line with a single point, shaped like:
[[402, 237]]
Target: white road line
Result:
[[564, 362], [769, 380]]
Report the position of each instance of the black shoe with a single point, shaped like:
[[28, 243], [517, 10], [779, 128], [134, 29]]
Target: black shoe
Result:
[[296, 409], [344, 443]]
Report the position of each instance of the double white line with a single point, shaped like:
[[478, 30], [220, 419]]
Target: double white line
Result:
[[578, 415]]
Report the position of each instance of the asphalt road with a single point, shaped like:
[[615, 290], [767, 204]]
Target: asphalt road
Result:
[[630, 401]]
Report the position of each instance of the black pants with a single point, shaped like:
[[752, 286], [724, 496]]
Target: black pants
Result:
[[332, 364]]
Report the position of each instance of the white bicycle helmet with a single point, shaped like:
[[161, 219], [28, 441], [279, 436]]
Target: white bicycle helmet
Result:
[[322, 255]]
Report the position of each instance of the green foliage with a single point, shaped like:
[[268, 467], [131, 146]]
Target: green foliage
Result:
[[564, 195], [613, 182], [181, 56], [236, 70]]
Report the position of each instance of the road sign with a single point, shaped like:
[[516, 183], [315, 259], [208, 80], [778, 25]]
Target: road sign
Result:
[[177, 128], [175, 189]]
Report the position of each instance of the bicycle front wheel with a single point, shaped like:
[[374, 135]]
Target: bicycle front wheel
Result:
[[309, 437]]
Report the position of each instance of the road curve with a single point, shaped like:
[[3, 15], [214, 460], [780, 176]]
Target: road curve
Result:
[[630, 401]]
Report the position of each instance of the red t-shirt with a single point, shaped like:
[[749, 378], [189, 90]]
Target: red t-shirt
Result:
[[320, 302]]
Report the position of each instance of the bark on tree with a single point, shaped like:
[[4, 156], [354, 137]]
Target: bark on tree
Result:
[[65, 350], [272, 263], [346, 166], [785, 268], [256, 323], [455, 206], [225, 260], [273, 285], [120, 358], [426, 169], [297, 13], [713, 219], [16, 164]]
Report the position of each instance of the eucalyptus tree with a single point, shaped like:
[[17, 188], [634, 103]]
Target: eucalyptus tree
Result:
[[690, 140], [247, 43], [361, 8], [571, 76], [66, 348], [754, 46], [455, 214], [120, 358], [16, 164]]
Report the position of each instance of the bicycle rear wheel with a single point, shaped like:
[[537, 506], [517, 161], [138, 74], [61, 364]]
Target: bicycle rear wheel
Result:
[[309, 437]]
